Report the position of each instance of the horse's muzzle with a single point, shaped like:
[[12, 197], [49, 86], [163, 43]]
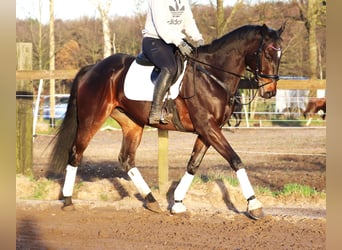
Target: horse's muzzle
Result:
[[267, 94]]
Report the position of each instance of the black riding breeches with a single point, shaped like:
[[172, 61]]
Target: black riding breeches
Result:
[[161, 54]]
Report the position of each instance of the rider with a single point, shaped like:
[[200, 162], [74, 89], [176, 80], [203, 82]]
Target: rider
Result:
[[163, 33]]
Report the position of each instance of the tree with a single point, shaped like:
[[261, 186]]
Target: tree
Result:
[[309, 14], [103, 7], [67, 56], [222, 23], [87, 32]]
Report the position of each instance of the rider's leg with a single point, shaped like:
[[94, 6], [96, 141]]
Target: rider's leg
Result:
[[162, 84], [162, 55]]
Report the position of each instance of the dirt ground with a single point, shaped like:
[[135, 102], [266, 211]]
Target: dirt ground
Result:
[[109, 213]]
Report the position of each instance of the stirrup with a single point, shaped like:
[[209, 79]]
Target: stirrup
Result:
[[159, 121], [154, 119], [163, 121]]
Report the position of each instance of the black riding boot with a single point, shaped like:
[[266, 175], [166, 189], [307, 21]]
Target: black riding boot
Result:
[[162, 84]]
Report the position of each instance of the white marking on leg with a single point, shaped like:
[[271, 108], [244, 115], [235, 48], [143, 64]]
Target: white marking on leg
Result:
[[139, 182], [308, 122], [69, 181]]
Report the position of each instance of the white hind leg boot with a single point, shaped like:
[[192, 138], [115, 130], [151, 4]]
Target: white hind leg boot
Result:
[[69, 181], [180, 193]]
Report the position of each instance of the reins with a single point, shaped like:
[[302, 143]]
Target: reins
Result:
[[219, 82]]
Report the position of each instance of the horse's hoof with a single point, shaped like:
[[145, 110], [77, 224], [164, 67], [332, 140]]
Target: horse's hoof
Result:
[[256, 214], [153, 206], [254, 209], [68, 208], [178, 208], [67, 204]]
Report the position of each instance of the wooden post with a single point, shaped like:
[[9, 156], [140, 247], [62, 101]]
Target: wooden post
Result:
[[24, 111], [163, 168], [52, 64]]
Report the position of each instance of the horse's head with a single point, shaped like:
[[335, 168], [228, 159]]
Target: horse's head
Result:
[[264, 60]]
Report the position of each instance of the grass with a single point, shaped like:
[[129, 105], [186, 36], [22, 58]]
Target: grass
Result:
[[104, 197], [42, 186], [297, 189], [291, 189], [41, 189], [210, 178]]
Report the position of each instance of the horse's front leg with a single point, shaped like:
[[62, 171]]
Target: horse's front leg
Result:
[[131, 138], [199, 150]]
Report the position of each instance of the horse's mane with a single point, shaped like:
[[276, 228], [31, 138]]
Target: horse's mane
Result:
[[243, 32], [233, 38]]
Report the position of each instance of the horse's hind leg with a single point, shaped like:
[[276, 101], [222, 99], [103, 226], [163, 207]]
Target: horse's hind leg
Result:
[[85, 132], [131, 138], [76, 154], [183, 186]]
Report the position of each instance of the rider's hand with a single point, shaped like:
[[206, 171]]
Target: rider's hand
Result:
[[200, 42], [185, 48]]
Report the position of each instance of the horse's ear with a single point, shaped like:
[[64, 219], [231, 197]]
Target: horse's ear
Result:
[[264, 30], [282, 28]]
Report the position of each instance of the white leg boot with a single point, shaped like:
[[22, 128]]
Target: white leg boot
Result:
[[180, 193], [69, 181], [254, 206], [68, 187], [144, 190]]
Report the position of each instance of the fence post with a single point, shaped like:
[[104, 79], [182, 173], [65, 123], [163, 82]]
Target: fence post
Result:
[[24, 119], [163, 168]]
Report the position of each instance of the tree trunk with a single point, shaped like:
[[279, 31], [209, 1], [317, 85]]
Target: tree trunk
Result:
[[103, 8], [219, 17], [106, 36], [222, 23], [312, 23]]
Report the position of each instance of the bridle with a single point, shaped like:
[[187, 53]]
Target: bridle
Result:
[[257, 72]]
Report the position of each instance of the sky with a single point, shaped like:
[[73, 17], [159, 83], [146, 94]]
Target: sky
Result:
[[74, 9]]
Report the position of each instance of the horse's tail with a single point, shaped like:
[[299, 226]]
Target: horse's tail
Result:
[[67, 132]]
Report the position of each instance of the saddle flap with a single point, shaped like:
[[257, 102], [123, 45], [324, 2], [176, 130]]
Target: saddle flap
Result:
[[139, 84]]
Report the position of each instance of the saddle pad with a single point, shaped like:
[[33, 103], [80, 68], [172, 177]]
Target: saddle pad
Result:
[[139, 86]]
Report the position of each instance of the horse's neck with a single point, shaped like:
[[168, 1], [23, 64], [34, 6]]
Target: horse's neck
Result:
[[224, 69]]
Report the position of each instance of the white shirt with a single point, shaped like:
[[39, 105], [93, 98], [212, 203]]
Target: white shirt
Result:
[[167, 19]]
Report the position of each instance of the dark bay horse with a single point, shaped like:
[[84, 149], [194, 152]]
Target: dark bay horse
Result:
[[210, 82]]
